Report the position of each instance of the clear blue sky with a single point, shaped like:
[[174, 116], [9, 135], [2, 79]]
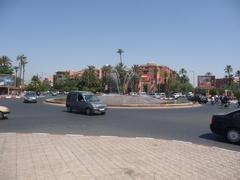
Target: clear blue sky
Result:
[[199, 35]]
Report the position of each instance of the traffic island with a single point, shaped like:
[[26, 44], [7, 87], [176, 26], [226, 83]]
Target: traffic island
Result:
[[121, 101]]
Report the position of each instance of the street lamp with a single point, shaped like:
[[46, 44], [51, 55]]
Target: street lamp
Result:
[[193, 77]]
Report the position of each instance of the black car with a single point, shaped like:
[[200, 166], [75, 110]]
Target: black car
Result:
[[201, 99], [227, 125]]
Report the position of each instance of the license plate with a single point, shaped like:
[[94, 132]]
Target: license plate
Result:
[[101, 109]]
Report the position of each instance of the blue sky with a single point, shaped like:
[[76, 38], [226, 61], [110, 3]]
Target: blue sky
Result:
[[201, 35]]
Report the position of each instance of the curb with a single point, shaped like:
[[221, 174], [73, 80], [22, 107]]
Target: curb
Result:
[[53, 101]]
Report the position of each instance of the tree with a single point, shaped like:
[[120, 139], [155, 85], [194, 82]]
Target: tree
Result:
[[200, 91], [35, 84], [228, 70], [120, 51], [106, 77], [5, 65], [121, 71], [21, 59], [89, 80], [135, 79], [5, 61], [208, 74], [183, 76], [238, 75], [16, 71], [213, 92], [237, 95], [24, 62]]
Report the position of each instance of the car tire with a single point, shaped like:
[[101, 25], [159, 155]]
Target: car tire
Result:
[[69, 109], [88, 111], [1, 115], [233, 136], [103, 113]]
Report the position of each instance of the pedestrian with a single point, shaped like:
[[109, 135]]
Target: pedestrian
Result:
[[212, 100]]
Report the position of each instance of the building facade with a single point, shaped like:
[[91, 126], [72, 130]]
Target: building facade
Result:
[[206, 82], [152, 76]]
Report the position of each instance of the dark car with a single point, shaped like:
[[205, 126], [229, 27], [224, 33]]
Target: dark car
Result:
[[201, 99], [30, 97], [87, 102], [227, 125]]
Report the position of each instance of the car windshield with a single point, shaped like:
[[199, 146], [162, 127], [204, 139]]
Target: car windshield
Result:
[[91, 98], [30, 94]]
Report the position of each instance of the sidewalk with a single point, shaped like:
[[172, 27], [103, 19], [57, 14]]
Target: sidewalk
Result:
[[66, 157]]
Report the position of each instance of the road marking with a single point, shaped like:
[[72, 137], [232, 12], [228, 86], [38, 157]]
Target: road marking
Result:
[[227, 150], [74, 135], [8, 133], [44, 134], [184, 142], [108, 136]]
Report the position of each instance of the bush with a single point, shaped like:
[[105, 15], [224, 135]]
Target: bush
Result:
[[237, 94]]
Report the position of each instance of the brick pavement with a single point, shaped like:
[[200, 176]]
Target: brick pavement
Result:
[[67, 157]]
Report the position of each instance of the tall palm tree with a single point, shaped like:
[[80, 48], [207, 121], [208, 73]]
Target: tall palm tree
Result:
[[120, 51], [24, 62], [16, 71], [183, 75], [21, 59], [238, 75], [228, 70], [182, 72]]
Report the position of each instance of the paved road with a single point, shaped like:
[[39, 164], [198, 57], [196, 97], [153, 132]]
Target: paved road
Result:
[[179, 124]]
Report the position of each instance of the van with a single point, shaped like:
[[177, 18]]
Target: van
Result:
[[86, 102]]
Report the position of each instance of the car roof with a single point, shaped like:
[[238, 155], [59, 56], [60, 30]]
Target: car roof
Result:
[[83, 92]]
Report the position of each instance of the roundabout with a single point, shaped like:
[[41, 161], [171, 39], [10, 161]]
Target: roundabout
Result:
[[133, 102]]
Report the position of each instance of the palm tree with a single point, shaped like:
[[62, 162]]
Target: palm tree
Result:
[[120, 51], [183, 75], [5, 61], [21, 59], [106, 77], [228, 70], [16, 71], [24, 62], [208, 74], [182, 72], [238, 75]]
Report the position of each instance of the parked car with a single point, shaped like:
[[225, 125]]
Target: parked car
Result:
[[176, 95], [154, 95], [4, 112], [30, 97], [87, 102], [201, 99], [227, 125], [133, 94], [54, 93], [142, 94]]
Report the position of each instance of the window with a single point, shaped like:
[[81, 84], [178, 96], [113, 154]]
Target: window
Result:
[[80, 98], [236, 116]]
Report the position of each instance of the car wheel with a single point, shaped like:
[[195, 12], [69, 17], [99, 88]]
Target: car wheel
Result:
[[69, 109], [88, 111], [1, 115], [103, 113], [233, 136]]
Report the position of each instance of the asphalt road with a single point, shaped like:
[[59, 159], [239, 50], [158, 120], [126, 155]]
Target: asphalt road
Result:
[[179, 124]]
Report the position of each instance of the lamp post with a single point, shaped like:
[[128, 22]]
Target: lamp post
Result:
[[193, 77]]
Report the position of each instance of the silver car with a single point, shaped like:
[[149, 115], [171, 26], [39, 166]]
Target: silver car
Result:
[[30, 97], [84, 101]]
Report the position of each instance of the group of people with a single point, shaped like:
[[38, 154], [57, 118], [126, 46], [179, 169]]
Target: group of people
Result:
[[222, 100]]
